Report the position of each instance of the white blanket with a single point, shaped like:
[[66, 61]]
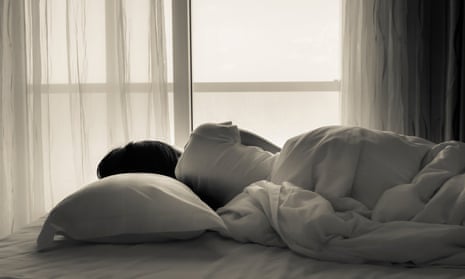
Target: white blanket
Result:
[[356, 195]]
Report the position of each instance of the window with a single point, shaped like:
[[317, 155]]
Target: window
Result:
[[270, 66]]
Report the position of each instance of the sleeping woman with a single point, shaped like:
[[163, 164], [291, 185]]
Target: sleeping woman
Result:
[[338, 193], [220, 160]]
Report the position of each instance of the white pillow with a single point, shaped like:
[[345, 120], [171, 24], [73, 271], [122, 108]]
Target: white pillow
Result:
[[130, 208]]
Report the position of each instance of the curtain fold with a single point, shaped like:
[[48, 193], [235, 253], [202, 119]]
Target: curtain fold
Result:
[[403, 67], [20, 159], [78, 78]]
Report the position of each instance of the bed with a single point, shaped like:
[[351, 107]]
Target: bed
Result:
[[209, 256], [337, 202]]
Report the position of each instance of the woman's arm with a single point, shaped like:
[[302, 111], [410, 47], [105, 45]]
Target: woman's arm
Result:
[[251, 139]]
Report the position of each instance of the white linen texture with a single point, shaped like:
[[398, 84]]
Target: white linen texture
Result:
[[355, 195]]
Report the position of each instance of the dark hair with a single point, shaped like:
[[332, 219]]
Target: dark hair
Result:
[[142, 156]]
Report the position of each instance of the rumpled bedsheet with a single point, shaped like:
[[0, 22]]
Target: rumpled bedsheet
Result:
[[358, 196]]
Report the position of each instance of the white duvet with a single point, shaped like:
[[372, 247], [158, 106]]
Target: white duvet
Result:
[[356, 195]]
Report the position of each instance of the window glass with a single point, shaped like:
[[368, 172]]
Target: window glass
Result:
[[265, 40], [276, 116], [261, 41]]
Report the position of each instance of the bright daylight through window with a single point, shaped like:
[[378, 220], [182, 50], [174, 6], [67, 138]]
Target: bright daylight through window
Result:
[[270, 66]]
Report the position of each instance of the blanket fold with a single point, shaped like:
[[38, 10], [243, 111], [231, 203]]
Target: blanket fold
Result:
[[356, 195]]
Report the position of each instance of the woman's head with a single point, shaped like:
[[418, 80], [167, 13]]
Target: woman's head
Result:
[[142, 156]]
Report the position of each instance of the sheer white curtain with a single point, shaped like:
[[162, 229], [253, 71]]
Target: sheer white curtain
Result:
[[77, 79], [374, 65]]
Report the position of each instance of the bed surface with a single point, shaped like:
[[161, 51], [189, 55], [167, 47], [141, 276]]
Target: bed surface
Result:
[[209, 256]]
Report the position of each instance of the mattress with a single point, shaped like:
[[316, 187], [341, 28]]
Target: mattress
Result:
[[209, 256]]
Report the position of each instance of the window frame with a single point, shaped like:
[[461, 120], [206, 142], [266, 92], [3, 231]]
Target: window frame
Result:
[[182, 71], [183, 86]]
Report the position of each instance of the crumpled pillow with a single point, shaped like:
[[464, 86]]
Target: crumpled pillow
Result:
[[129, 208]]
